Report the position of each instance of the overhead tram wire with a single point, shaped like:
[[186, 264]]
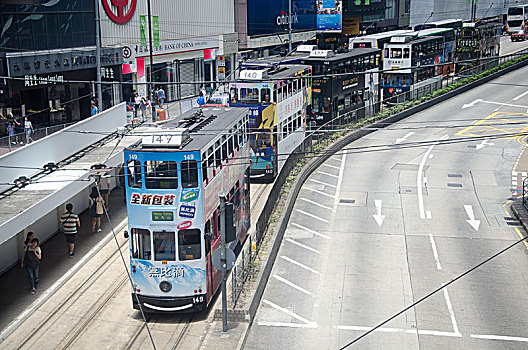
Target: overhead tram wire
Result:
[[433, 292]]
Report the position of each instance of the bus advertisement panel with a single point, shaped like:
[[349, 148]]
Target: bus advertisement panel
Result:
[[329, 15]]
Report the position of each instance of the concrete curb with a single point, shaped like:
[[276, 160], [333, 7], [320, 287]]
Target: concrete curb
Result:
[[313, 164], [48, 293]]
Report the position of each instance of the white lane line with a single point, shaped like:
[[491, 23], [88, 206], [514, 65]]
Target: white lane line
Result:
[[400, 330], [331, 166], [315, 203], [323, 183], [520, 96], [320, 192], [288, 312], [48, 293], [499, 337], [327, 174], [435, 252], [291, 284], [290, 325], [311, 215], [339, 181], [451, 313], [310, 230], [419, 182], [299, 264], [303, 246], [335, 158]]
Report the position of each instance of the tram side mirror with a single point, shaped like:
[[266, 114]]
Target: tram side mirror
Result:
[[230, 228], [125, 234]]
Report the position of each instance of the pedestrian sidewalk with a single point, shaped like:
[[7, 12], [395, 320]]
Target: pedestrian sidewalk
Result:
[[14, 290]]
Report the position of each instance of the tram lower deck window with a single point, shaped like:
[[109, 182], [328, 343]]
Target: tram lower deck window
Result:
[[189, 244], [141, 248], [164, 246]]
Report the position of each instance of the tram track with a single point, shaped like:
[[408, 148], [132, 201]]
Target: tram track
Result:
[[157, 324], [81, 290]]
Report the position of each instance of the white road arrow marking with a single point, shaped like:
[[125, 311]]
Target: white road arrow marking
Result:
[[399, 140], [471, 104], [378, 217], [483, 144], [474, 223]]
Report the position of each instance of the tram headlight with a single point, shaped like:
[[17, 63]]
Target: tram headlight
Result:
[[165, 286]]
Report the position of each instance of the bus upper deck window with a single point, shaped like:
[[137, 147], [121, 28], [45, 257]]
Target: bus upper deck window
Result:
[[396, 53], [189, 174], [406, 52], [164, 245], [134, 174], [161, 175], [189, 244], [141, 248]]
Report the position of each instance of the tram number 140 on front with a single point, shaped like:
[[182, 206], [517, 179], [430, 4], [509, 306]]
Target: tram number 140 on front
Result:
[[198, 299]]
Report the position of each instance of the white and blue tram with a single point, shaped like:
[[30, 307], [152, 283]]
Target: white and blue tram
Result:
[[175, 176]]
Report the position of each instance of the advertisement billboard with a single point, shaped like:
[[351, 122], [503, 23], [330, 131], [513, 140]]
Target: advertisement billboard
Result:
[[329, 13], [271, 17]]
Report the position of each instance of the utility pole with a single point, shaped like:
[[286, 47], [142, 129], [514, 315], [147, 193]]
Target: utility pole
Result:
[[223, 260], [473, 10], [289, 25], [151, 64], [98, 54]]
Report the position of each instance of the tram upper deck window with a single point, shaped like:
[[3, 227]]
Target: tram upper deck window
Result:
[[265, 96], [189, 244], [134, 174], [249, 96], [189, 174], [141, 248], [161, 175], [164, 245], [396, 53], [406, 53]]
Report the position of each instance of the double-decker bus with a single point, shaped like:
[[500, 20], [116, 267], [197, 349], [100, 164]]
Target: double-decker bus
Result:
[[175, 176], [338, 97], [446, 23], [415, 63], [375, 41], [517, 19], [449, 35], [278, 97], [476, 42]]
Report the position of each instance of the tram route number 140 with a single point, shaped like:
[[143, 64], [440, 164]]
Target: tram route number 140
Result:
[[198, 299]]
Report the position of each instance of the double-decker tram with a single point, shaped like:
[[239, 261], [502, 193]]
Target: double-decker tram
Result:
[[278, 97], [375, 41], [453, 23], [449, 35], [175, 176], [476, 42], [415, 61], [343, 84]]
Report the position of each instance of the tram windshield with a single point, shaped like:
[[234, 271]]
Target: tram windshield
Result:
[[161, 175], [189, 244], [164, 245], [141, 248], [189, 174]]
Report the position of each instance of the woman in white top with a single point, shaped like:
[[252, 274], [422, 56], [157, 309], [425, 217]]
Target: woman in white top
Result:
[[28, 127]]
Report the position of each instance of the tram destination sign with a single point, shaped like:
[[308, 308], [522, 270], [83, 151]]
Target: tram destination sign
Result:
[[162, 216]]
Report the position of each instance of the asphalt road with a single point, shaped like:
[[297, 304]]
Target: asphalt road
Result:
[[375, 230]]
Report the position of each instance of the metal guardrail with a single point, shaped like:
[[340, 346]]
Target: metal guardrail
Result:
[[241, 271]]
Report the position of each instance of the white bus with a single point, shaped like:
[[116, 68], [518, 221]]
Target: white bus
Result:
[[446, 23], [517, 18], [375, 41]]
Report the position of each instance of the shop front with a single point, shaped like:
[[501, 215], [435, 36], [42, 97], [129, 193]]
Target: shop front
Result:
[[56, 87]]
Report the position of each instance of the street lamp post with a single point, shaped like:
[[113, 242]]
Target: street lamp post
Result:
[[151, 63], [98, 54]]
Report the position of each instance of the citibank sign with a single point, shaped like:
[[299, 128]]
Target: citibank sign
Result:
[[119, 11], [282, 19]]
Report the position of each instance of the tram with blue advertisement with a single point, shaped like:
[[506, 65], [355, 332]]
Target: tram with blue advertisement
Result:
[[174, 178], [278, 97]]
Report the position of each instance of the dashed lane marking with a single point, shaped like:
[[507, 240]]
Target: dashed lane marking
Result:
[[435, 252], [303, 246], [315, 203], [331, 166], [293, 285], [499, 337], [323, 183], [320, 192], [400, 330], [307, 323], [310, 230], [311, 215], [299, 264], [327, 174]]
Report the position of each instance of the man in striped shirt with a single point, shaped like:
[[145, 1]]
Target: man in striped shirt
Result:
[[69, 222]]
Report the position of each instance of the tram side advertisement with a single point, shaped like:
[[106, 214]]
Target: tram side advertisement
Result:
[[164, 212]]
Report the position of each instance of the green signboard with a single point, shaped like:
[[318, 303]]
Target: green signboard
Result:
[[155, 30], [162, 216], [142, 26]]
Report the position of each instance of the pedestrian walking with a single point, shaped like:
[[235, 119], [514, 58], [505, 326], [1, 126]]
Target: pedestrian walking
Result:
[[30, 235], [31, 262], [200, 100], [18, 129], [28, 127], [11, 131], [94, 109], [161, 97], [104, 189], [137, 102], [69, 222], [143, 108], [96, 209]]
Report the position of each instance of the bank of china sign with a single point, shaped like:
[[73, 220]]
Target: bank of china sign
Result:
[[119, 11], [131, 52]]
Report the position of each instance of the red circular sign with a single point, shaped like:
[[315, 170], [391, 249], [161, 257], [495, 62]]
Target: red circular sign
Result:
[[121, 17], [184, 225]]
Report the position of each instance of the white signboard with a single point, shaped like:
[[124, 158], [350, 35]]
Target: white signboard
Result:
[[253, 74], [132, 51]]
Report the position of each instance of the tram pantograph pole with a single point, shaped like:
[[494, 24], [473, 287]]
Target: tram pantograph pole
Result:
[[98, 54], [223, 260], [290, 26], [150, 95]]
